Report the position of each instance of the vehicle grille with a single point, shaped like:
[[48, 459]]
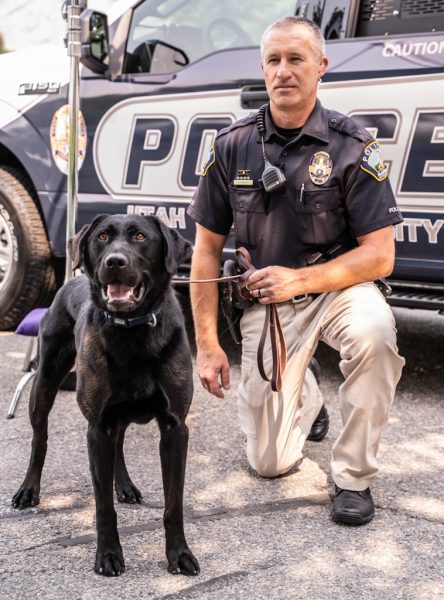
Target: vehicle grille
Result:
[[383, 17], [373, 10], [414, 8]]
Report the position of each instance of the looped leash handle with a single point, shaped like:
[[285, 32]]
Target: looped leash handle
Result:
[[271, 323], [243, 260]]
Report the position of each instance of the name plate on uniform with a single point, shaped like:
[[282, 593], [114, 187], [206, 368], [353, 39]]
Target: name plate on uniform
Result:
[[243, 177], [243, 182]]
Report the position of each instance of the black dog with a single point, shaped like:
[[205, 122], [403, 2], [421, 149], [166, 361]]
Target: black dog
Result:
[[124, 323]]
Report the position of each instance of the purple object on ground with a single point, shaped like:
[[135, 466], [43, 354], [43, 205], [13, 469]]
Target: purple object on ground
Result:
[[31, 323]]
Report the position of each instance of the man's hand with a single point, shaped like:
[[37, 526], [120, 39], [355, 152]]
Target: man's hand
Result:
[[212, 363], [274, 284]]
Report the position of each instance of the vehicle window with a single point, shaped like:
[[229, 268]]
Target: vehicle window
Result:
[[311, 10], [334, 19], [330, 15], [166, 35]]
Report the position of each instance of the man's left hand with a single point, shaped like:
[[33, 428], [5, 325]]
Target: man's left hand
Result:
[[274, 284]]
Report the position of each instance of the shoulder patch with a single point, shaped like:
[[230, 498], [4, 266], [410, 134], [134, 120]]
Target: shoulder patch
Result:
[[372, 163], [210, 161]]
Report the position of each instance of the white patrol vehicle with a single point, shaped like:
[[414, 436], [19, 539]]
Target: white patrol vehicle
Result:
[[160, 78]]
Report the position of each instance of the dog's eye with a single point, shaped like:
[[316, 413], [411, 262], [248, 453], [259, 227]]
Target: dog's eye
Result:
[[102, 236], [139, 236]]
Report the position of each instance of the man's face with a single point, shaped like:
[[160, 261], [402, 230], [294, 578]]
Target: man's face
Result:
[[292, 68]]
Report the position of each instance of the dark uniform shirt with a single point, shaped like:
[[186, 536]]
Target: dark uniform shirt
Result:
[[337, 188]]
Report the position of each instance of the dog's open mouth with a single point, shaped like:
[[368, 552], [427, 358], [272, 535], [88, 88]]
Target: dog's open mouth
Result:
[[119, 294]]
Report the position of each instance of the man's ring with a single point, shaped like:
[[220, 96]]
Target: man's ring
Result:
[[259, 293]]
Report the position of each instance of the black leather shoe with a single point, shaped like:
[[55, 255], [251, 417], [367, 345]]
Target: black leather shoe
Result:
[[352, 508], [320, 425], [314, 367]]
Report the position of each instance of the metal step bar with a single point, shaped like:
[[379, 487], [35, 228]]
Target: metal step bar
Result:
[[417, 296]]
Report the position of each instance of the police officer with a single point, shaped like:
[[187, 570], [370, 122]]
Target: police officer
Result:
[[331, 190]]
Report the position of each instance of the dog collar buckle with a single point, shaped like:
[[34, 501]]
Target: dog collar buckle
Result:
[[150, 320]]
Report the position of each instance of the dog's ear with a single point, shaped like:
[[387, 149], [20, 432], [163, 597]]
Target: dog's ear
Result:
[[178, 249], [77, 244]]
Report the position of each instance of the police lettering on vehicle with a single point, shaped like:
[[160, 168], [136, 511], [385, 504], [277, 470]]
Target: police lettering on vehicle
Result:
[[165, 144], [413, 228]]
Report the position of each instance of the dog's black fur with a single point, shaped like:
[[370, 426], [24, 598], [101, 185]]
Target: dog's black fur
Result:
[[124, 374]]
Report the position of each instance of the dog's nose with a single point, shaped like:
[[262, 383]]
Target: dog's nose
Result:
[[116, 261]]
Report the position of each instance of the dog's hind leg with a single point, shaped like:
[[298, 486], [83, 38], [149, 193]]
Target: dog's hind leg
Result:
[[56, 358], [102, 450], [126, 491]]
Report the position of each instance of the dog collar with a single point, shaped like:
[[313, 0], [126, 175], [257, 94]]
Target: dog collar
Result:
[[150, 320]]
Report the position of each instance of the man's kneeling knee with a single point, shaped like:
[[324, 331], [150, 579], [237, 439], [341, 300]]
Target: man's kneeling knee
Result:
[[270, 469]]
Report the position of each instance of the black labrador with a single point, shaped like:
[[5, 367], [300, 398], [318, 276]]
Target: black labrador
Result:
[[122, 320]]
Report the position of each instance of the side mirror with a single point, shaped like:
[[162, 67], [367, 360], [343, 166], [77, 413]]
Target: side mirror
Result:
[[95, 41]]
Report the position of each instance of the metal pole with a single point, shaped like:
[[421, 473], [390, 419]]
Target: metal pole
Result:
[[74, 48]]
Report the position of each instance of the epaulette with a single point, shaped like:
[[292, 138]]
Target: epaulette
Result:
[[349, 126], [251, 118]]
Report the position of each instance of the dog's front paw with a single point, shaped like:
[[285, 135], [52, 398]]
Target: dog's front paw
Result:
[[26, 497], [110, 563], [127, 492], [181, 560]]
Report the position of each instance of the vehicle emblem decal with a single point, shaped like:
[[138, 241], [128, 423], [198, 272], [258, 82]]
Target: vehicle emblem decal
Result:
[[372, 162], [320, 168], [59, 139]]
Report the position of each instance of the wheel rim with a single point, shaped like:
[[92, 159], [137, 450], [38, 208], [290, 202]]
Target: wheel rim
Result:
[[6, 252]]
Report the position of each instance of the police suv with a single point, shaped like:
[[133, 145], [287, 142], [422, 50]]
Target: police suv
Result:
[[160, 78]]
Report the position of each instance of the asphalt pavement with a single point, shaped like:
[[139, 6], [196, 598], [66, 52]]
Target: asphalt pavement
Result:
[[254, 538]]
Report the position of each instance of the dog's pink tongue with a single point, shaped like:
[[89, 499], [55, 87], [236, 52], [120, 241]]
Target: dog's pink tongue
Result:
[[117, 292]]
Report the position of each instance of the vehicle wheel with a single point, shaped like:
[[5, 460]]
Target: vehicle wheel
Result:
[[27, 278]]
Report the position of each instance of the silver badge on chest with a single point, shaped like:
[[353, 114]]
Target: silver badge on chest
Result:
[[320, 168]]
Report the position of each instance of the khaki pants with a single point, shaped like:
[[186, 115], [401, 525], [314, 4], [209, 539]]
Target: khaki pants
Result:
[[359, 324]]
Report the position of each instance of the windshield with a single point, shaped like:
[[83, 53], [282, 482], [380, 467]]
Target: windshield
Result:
[[188, 30]]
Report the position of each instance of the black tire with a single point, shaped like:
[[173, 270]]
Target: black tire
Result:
[[27, 279]]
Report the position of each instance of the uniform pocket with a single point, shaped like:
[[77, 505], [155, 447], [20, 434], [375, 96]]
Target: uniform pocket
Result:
[[320, 216], [249, 215], [251, 389]]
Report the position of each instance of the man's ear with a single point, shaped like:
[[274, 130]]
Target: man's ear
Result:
[[178, 249], [77, 247]]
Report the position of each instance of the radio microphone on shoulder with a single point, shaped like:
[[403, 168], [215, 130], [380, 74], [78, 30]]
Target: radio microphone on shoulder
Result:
[[272, 178]]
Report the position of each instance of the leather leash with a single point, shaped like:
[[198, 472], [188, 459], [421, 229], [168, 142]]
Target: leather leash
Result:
[[178, 280], [272, 325]]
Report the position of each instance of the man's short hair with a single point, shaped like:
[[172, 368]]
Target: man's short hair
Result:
[[289, 23]]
